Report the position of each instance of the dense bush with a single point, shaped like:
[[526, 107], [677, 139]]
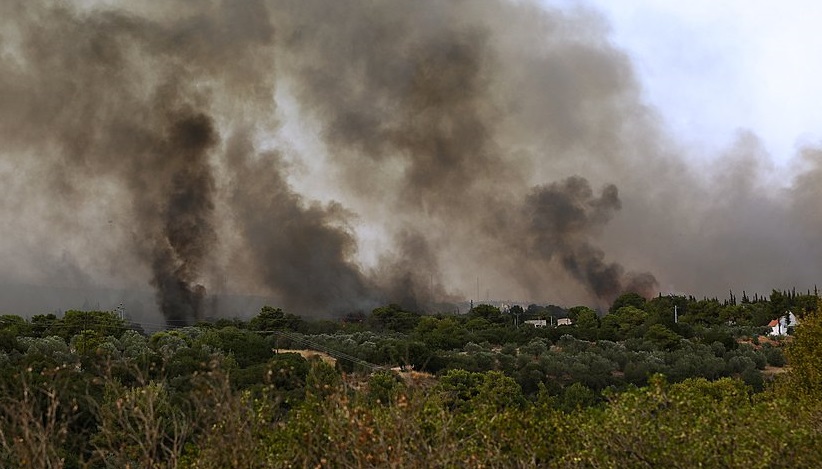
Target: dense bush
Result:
[[85, 391]]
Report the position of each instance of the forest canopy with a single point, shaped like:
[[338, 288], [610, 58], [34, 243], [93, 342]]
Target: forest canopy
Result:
[[636, 385]]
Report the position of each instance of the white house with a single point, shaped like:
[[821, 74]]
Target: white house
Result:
[[537, 322], [780, 325], [545, 323]]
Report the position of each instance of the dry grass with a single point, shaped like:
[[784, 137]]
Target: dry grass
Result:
[[418, 379], [775, 370], [307, 354]]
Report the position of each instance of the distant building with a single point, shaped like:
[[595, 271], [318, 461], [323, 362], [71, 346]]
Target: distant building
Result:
[[564, 322], [780, 325], [537, 322]]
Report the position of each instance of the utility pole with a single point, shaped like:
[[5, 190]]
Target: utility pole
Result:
[[120, 310], [676, 316]]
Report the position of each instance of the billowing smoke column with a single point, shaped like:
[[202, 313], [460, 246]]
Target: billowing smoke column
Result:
[[108, 116], [187, 226], [340, 155], [563, 216], [396, 84], [302, 256]]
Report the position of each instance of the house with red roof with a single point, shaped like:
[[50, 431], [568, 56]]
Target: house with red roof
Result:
[[780, 325]]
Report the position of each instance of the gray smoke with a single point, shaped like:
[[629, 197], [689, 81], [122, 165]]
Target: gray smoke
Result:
[[395, 84], [563, 218], [108, 115], [340, 155], [187, 231], [301, 253]]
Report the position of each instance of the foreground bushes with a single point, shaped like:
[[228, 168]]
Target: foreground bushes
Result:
[[464, 420], [689, 424], [195, 399]]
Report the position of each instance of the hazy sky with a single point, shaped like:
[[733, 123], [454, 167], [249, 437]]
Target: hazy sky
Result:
[[714, 67]]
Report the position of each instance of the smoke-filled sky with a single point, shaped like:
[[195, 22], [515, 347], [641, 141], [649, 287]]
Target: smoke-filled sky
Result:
[[335, 156]]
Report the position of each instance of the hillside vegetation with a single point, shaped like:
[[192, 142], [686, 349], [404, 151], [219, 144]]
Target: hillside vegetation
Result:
[[635, 387]]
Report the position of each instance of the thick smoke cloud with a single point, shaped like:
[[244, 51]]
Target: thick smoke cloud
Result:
[[301, 251], [340, 155], [563, 217], [108, 115], [187, 226]]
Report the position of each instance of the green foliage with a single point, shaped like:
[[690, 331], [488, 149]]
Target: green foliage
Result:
[[104, 323], [215, 395], [46, 352], [704, 312], [43, 325], [134, 346], [322, 380], [287, 371], [774, 355], [663, 337], [694, 360], [736, 314], [535, 348], [383, 387], [498, 392], [804, 355], [392, 317], [441, 334], [805, 305], [627, 299], [245, 346], [696, 423], [168, 343], [465, 390], [34, 418], [625, 322], [275, 319], [9, 342], [459, 387], [585, 318], [578, 396], [86, 342], [661, 309], [231, 429], [15, 325], [138, 426], [780, 303], [490, 313], [716, 334]]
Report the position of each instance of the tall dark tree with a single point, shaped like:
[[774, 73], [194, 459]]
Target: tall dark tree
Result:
[[628, 299], [275, 319]]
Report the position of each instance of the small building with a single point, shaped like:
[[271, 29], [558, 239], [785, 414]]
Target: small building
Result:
[[537, 322], [564, 322], [780, 325]]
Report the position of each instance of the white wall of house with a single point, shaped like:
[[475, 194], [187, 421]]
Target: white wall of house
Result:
[[783, 323]]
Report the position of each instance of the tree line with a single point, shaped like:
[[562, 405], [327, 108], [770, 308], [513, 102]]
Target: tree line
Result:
[[627, 387]]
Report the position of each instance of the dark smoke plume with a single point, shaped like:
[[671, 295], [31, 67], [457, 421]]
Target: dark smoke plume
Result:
[[302, 252], [110, 113], [341, 155], [427, 99], [187, 230], [563, 218]]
